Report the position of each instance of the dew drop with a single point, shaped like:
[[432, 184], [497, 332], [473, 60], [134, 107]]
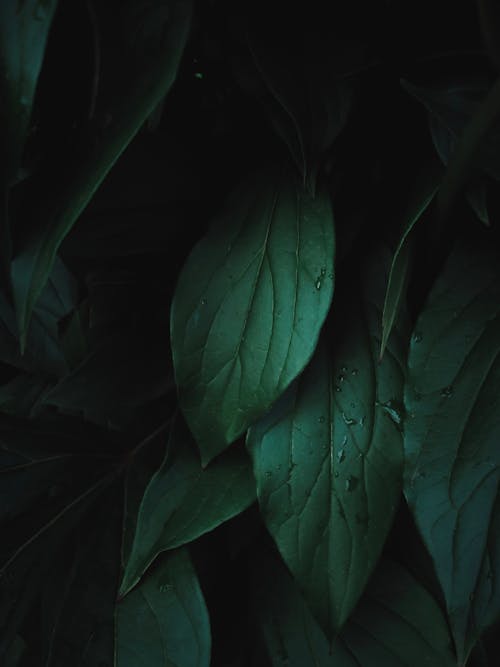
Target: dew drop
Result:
[[323, 271], [165, 588], [341, 377], [354, 371], [337, 388], [362, 421], [348, 420], [268, 473], [447, 392], [341, 455], [343, 369], [203, 302], [321, 419], [336, 474], [318, 284], [394, 411], [417, 337]]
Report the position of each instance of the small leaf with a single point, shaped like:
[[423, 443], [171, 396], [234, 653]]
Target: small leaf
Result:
[[396, 624], [183, 501], [151, 61], [249, 306], [451, 440], [328, 459], [164, 621], [400, 267]]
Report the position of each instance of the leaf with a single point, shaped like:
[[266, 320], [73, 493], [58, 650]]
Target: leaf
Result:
[[467, 152], [464, 124], [24, 29], [111, 383], [451, 437], [308, 95], [396, 624], [164, 621], [43, 352], [249, 306], [78, 599], [24, 478], [400, 267], [151, 61], [328, 458], [183, 501]]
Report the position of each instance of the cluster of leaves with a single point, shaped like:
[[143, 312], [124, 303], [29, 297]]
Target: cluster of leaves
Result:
[[249, 333]]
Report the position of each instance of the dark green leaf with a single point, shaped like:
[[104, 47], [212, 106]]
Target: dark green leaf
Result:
[[78, 600], [184, 500], [451, 437], [396, 624], [328, 458], [111, 383], [154, 41], [24, 28], [249, 306], [401, 262], [164, 621], [464, 122]]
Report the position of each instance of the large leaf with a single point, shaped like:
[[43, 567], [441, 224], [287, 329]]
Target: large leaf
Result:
[[164, 621], [183, 501], [401, 262], [396, 624], [249, 306], [328, 459], [151, 41], [24, 28], [451, 437]]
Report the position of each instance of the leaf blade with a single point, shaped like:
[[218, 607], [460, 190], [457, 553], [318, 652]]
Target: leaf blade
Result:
[[248, 327], [452, 466], [164, 622], [328, 464]]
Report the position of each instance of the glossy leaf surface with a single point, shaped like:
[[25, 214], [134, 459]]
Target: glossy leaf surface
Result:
[[164, 622], [451, 437], [328, 460], [249, 306], [396, 624], [183, 501]]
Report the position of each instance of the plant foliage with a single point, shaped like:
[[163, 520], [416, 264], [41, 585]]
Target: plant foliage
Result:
[[249, 333]]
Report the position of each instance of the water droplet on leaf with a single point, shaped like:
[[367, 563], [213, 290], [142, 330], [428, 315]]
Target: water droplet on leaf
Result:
[[447, 392], [341, 455], [348, 420]]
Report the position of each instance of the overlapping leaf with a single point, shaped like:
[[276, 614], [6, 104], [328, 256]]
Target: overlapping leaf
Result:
[[396, 624], [328, 458], [183, 501], [164, 622], [151, 43], [451, 438], [24, 29], [249, 306], [401, 262]]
